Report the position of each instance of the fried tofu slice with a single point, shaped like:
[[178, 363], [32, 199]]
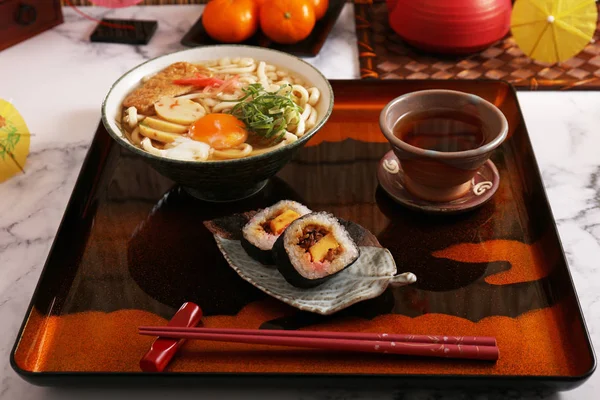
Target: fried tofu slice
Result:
[[160, 85]]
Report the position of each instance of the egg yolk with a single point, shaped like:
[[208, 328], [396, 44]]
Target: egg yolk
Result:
[[220, 131]]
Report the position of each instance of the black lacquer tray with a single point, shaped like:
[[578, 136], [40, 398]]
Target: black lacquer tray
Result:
[[132, 248]]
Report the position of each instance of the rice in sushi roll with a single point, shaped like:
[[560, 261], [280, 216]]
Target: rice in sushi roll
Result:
[[313, 249], [261, 232]]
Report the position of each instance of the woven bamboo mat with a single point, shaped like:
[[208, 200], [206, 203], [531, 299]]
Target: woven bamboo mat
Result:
[[383, 55]]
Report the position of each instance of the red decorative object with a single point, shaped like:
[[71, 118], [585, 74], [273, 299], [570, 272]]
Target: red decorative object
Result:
[[454, 27]]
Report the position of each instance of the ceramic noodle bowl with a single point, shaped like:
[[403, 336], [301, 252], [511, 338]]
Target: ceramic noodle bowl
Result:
[[220, 180], [441, 176]]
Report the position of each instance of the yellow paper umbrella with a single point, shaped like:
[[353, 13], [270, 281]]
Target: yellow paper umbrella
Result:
[[553, 30], [14, 141]]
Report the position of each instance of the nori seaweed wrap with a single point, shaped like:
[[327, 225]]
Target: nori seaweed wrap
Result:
[[312, 249]]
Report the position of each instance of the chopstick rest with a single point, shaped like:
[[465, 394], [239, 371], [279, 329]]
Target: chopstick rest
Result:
[[163, 349]]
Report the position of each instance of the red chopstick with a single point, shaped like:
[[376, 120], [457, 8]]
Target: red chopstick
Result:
[[391, 337], [346, 341]]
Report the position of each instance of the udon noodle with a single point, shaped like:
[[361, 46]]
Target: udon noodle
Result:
[[219, 110]]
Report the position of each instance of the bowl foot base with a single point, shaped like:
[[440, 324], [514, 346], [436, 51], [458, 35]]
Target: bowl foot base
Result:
[[225, 195]]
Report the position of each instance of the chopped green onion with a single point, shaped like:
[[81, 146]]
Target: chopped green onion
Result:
[[267, 114]]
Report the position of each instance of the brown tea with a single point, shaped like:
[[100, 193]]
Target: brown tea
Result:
[[441, 130]]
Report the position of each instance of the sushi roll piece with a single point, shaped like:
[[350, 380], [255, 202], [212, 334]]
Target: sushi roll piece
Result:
[[313, 249], [261, 232]]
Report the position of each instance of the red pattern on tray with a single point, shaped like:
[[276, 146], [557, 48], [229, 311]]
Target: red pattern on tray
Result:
[[109, 342]]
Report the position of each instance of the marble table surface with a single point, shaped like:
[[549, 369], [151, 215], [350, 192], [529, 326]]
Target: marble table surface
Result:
[[58, 80]]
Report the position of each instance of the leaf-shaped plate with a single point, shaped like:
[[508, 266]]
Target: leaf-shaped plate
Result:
[[367, 278]]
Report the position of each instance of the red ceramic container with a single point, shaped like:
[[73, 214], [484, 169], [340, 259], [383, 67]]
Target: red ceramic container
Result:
[[450, 26]]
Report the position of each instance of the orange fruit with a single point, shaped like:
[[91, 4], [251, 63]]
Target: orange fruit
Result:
[[320, 8], [287, 21], [230, 21]]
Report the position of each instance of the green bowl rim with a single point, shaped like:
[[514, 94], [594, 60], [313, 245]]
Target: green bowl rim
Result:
[[125, 143]]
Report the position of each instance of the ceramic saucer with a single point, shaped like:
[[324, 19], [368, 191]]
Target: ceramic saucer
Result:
[[483, 186]]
